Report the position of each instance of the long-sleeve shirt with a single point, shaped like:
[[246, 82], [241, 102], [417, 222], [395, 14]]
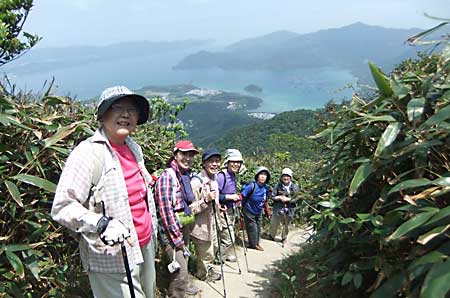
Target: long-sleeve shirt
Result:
[[74, 208], [203, 225], [169, 201], [288, 191], [227, 186]]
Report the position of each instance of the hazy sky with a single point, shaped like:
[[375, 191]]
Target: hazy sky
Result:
[[100, 22]]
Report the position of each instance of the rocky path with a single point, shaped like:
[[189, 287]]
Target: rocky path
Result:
[[253, 282]]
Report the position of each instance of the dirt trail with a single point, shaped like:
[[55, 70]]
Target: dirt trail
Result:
[[255, 282]]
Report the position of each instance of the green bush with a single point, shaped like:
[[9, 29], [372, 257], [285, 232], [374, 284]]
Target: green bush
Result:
[[37, 256], [383, 192]]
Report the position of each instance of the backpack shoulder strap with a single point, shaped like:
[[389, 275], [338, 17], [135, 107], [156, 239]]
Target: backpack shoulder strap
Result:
[[197, 177], [224, 178], [253, 188], [174, 177], [98, 150]]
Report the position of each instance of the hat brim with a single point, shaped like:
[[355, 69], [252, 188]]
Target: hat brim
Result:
[[235, 159], [186, 150], [211, 155], [259, 172], [141, 101]]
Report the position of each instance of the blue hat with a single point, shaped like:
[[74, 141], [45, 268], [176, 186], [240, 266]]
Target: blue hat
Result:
[[209, 153]]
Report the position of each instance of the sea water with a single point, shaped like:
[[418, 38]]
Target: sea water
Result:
[[307, 88]]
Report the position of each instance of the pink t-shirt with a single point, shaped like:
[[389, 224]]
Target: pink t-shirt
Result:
[[137, 192]]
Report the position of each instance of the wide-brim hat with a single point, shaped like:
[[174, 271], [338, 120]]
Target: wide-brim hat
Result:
[[185, 146], [259, 170], [113, 94]]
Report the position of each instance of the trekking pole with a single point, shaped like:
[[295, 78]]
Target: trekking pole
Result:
[[127, 270], [213, 203], [283, 227], [241, 226], [232, 241]]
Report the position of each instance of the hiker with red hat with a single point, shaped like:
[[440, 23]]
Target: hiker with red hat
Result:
[[174, 197]]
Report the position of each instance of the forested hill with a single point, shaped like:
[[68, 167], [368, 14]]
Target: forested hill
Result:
[[348, 47], [286, 132]]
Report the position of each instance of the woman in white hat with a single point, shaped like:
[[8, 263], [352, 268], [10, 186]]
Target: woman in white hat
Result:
[[229, 197], [103, 194], [284, 205]]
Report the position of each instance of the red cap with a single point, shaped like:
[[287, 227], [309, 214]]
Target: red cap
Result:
[[185, 146]]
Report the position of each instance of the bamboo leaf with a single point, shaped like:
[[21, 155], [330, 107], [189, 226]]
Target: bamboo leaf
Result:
[[357, 280], [413, 223], [16, 263], [17, 247], [440, 116], [381, 81], [36, 181], [61, 134], [436, 283], [8, 119], [15, 193], [388, 137], [370, 117], [412, 183], [360, 176], [430, 235], [390, 287], [443, 181], [327, 204], [401, 90], [348, 276], [431, 257], [443, 213], [415, 109]]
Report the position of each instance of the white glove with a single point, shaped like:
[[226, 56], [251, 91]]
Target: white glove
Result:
[[115, 232]]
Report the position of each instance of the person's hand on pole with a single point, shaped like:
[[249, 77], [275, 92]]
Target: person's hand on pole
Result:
[[233, 197], [223, 208], [285, 199], [113, 231]]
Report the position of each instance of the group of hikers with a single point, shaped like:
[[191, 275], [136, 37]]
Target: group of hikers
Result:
[[105, 195]]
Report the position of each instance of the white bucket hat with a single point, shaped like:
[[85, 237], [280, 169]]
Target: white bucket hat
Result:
[[232, 155], [287, 171]]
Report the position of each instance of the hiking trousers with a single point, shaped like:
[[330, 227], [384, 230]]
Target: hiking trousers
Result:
[[115, 285], [275, 222], [253, 226], [226, 242], [205, 256]]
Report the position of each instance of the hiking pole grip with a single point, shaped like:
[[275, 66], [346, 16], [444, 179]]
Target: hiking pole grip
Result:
[[127, 270]]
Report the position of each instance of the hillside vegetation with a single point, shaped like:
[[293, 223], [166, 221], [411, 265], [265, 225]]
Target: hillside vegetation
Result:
[[37, 256], [286, 132], [381, 199]]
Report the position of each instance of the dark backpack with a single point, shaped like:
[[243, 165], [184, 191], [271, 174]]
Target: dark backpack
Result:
[[244, 185], [224, 178]]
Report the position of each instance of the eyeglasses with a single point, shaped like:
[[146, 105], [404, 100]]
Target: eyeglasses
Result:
[[122, 109]]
